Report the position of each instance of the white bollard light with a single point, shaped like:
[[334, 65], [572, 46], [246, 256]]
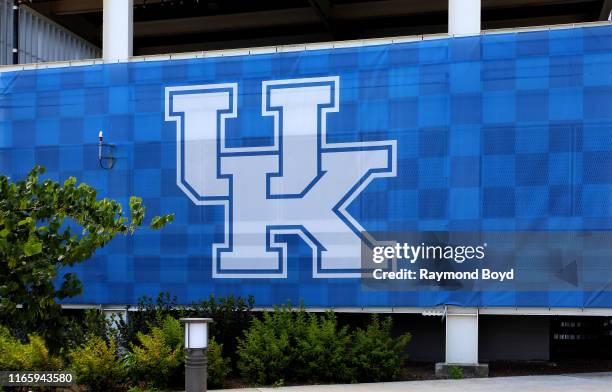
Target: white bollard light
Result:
[[196, 344]]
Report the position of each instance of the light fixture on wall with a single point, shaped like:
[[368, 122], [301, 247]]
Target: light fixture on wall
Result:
[[105, 153]]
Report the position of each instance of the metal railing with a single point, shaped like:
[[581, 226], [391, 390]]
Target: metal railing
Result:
[[40, 39], [6, 32]]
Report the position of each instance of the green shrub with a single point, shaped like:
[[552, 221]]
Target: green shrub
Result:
[[158, 357], [157, 361], [265, 353], [70, 330], [76, 328], [218, 366], [10, 349], [321, 354], [33, 355], [288, 345], [172, 331], [293, 346], [97, 366], [231, 315], [149, 314], [456, 373], [143, 389], [375, 355]]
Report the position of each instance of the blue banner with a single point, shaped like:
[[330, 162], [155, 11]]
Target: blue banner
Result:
[[281, 166]]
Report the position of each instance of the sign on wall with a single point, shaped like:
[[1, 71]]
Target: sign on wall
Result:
[[324, 176]]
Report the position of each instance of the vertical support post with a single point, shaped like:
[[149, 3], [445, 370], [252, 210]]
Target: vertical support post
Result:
[[462, 344], [114, 314], [16, 32], [462, 338], [196, 363], [464, 17], [117, 30]]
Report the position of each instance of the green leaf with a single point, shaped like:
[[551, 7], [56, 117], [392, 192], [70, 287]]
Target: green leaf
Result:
[[4, 233], [32, 247], [25, 221], [160, 221], [69, 182]]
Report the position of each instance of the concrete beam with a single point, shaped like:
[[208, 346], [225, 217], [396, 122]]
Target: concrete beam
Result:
[[246, 20], [67, 7], [287, 17], [323, 10]]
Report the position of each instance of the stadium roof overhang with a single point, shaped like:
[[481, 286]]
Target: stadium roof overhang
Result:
[[169, 26]]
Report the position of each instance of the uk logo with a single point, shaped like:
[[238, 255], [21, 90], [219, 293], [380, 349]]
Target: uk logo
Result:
[[299, 185]]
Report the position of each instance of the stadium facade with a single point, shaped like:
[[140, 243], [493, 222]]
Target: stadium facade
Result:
[[285, 165]]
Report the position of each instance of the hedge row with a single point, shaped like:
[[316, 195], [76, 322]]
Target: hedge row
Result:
[[156, 361], [283, 346], [294, 346]]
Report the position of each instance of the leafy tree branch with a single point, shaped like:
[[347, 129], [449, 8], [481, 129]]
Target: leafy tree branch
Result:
[[45, 226]]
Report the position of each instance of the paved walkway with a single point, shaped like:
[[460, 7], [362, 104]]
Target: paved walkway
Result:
[[588, 382]]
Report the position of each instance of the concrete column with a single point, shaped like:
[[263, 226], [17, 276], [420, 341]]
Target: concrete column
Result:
[[462, 338], [114, 314], [117, 30], [463, 17], [462, 344]]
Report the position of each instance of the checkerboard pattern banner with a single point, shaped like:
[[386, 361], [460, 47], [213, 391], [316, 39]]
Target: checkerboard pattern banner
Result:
[[500, 132]]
